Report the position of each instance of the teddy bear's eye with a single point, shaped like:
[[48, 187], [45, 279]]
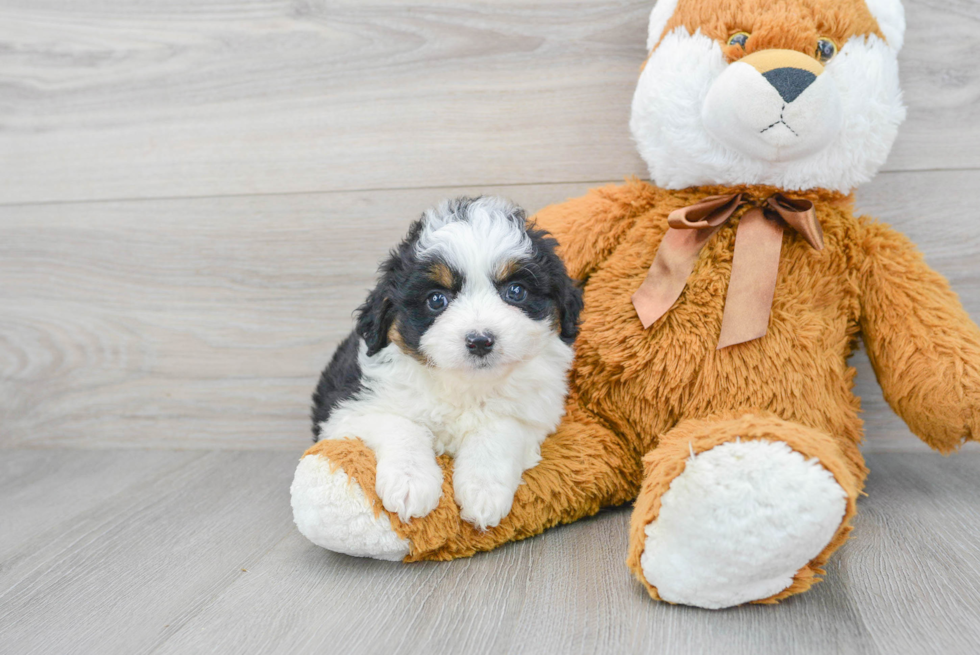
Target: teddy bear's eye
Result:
[[739, 39], [826, 49]]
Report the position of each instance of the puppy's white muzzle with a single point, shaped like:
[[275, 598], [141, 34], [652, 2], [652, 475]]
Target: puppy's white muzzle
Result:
[[478, 312], [774, 105]]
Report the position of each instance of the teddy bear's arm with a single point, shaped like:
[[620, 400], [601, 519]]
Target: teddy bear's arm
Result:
[[924, 348], [588, 228]]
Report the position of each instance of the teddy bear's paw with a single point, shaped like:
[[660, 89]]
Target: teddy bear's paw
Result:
[[332, 511], [738, 524]]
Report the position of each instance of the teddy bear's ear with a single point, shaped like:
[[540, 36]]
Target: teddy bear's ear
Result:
[[662, 12], [891, 20]]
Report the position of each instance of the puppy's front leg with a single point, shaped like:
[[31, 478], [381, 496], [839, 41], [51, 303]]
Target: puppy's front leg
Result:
[[408, 480], [487, 470]]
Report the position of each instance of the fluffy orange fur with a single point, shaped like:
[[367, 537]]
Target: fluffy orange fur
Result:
[[787, 24], [642, 398]]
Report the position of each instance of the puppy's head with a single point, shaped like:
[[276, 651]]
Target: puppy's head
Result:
[[471, 288], [795, 93]]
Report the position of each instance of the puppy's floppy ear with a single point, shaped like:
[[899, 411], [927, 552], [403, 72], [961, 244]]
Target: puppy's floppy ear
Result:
[[569, 308], [374, 319], [567, 294], [376, 316]]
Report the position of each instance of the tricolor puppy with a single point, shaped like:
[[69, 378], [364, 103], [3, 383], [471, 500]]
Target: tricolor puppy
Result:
[[463, 348]]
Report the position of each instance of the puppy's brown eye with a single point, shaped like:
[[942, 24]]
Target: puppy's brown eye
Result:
[[739, 39], [826, 49], [436, 301]]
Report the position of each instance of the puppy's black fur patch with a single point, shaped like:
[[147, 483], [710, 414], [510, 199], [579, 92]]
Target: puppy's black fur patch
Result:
[[550, 289], [340, 380], [403, 282], [400, 299]]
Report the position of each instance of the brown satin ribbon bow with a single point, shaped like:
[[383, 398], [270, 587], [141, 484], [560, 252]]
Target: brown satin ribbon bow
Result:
[[755, 262]]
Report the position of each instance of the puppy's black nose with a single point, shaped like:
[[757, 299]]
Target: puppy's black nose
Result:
[[479, 344], [790, 82]]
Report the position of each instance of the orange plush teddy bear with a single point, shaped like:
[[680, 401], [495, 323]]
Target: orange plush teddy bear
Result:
[[711, 382]]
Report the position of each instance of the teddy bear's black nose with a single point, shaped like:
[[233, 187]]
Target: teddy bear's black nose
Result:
[[790, 82]]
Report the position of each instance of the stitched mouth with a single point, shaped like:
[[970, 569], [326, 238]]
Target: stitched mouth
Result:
[[780, 122]]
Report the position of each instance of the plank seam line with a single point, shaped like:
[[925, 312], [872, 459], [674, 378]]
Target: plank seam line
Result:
[[175, 469], [316, 192], [313, 192], [218, 593]]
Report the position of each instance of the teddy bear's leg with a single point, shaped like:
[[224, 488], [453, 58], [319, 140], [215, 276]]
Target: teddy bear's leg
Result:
[[741, 510], [584, 467], [335, 505]]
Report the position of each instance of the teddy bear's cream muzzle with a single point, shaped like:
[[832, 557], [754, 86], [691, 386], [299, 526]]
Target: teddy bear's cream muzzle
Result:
[[774, 105]]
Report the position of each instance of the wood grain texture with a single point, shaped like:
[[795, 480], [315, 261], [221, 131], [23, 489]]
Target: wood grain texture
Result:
[[186, 223], [204, 322], [124, 575], [161, 570], [40, 491], [913, 566], [106, 99], [567, 591], [191, 323]]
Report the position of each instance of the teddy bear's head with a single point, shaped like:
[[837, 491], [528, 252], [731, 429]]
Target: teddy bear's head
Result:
[[791, 93]]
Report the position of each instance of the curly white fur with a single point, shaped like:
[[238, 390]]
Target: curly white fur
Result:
[[492, 425]]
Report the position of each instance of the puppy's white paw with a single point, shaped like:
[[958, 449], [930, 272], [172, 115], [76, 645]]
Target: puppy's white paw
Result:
[[332, 511], [482, 502], [409, 486], [738, 524]]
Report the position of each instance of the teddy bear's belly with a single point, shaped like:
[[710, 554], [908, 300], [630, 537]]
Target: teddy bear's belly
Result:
[[651, 378]]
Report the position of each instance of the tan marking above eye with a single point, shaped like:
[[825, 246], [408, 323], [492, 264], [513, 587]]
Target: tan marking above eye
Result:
[[441, 275], [507, 269]]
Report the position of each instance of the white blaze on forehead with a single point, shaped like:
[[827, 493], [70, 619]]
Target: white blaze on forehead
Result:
[[891, 20], [662, 12], [478, 240]]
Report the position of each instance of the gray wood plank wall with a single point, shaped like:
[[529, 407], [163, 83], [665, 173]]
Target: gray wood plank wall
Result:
[[195, 194], [193, 199]]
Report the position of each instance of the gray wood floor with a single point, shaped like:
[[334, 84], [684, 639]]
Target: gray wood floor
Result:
[[136, 551], [193, 198]]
